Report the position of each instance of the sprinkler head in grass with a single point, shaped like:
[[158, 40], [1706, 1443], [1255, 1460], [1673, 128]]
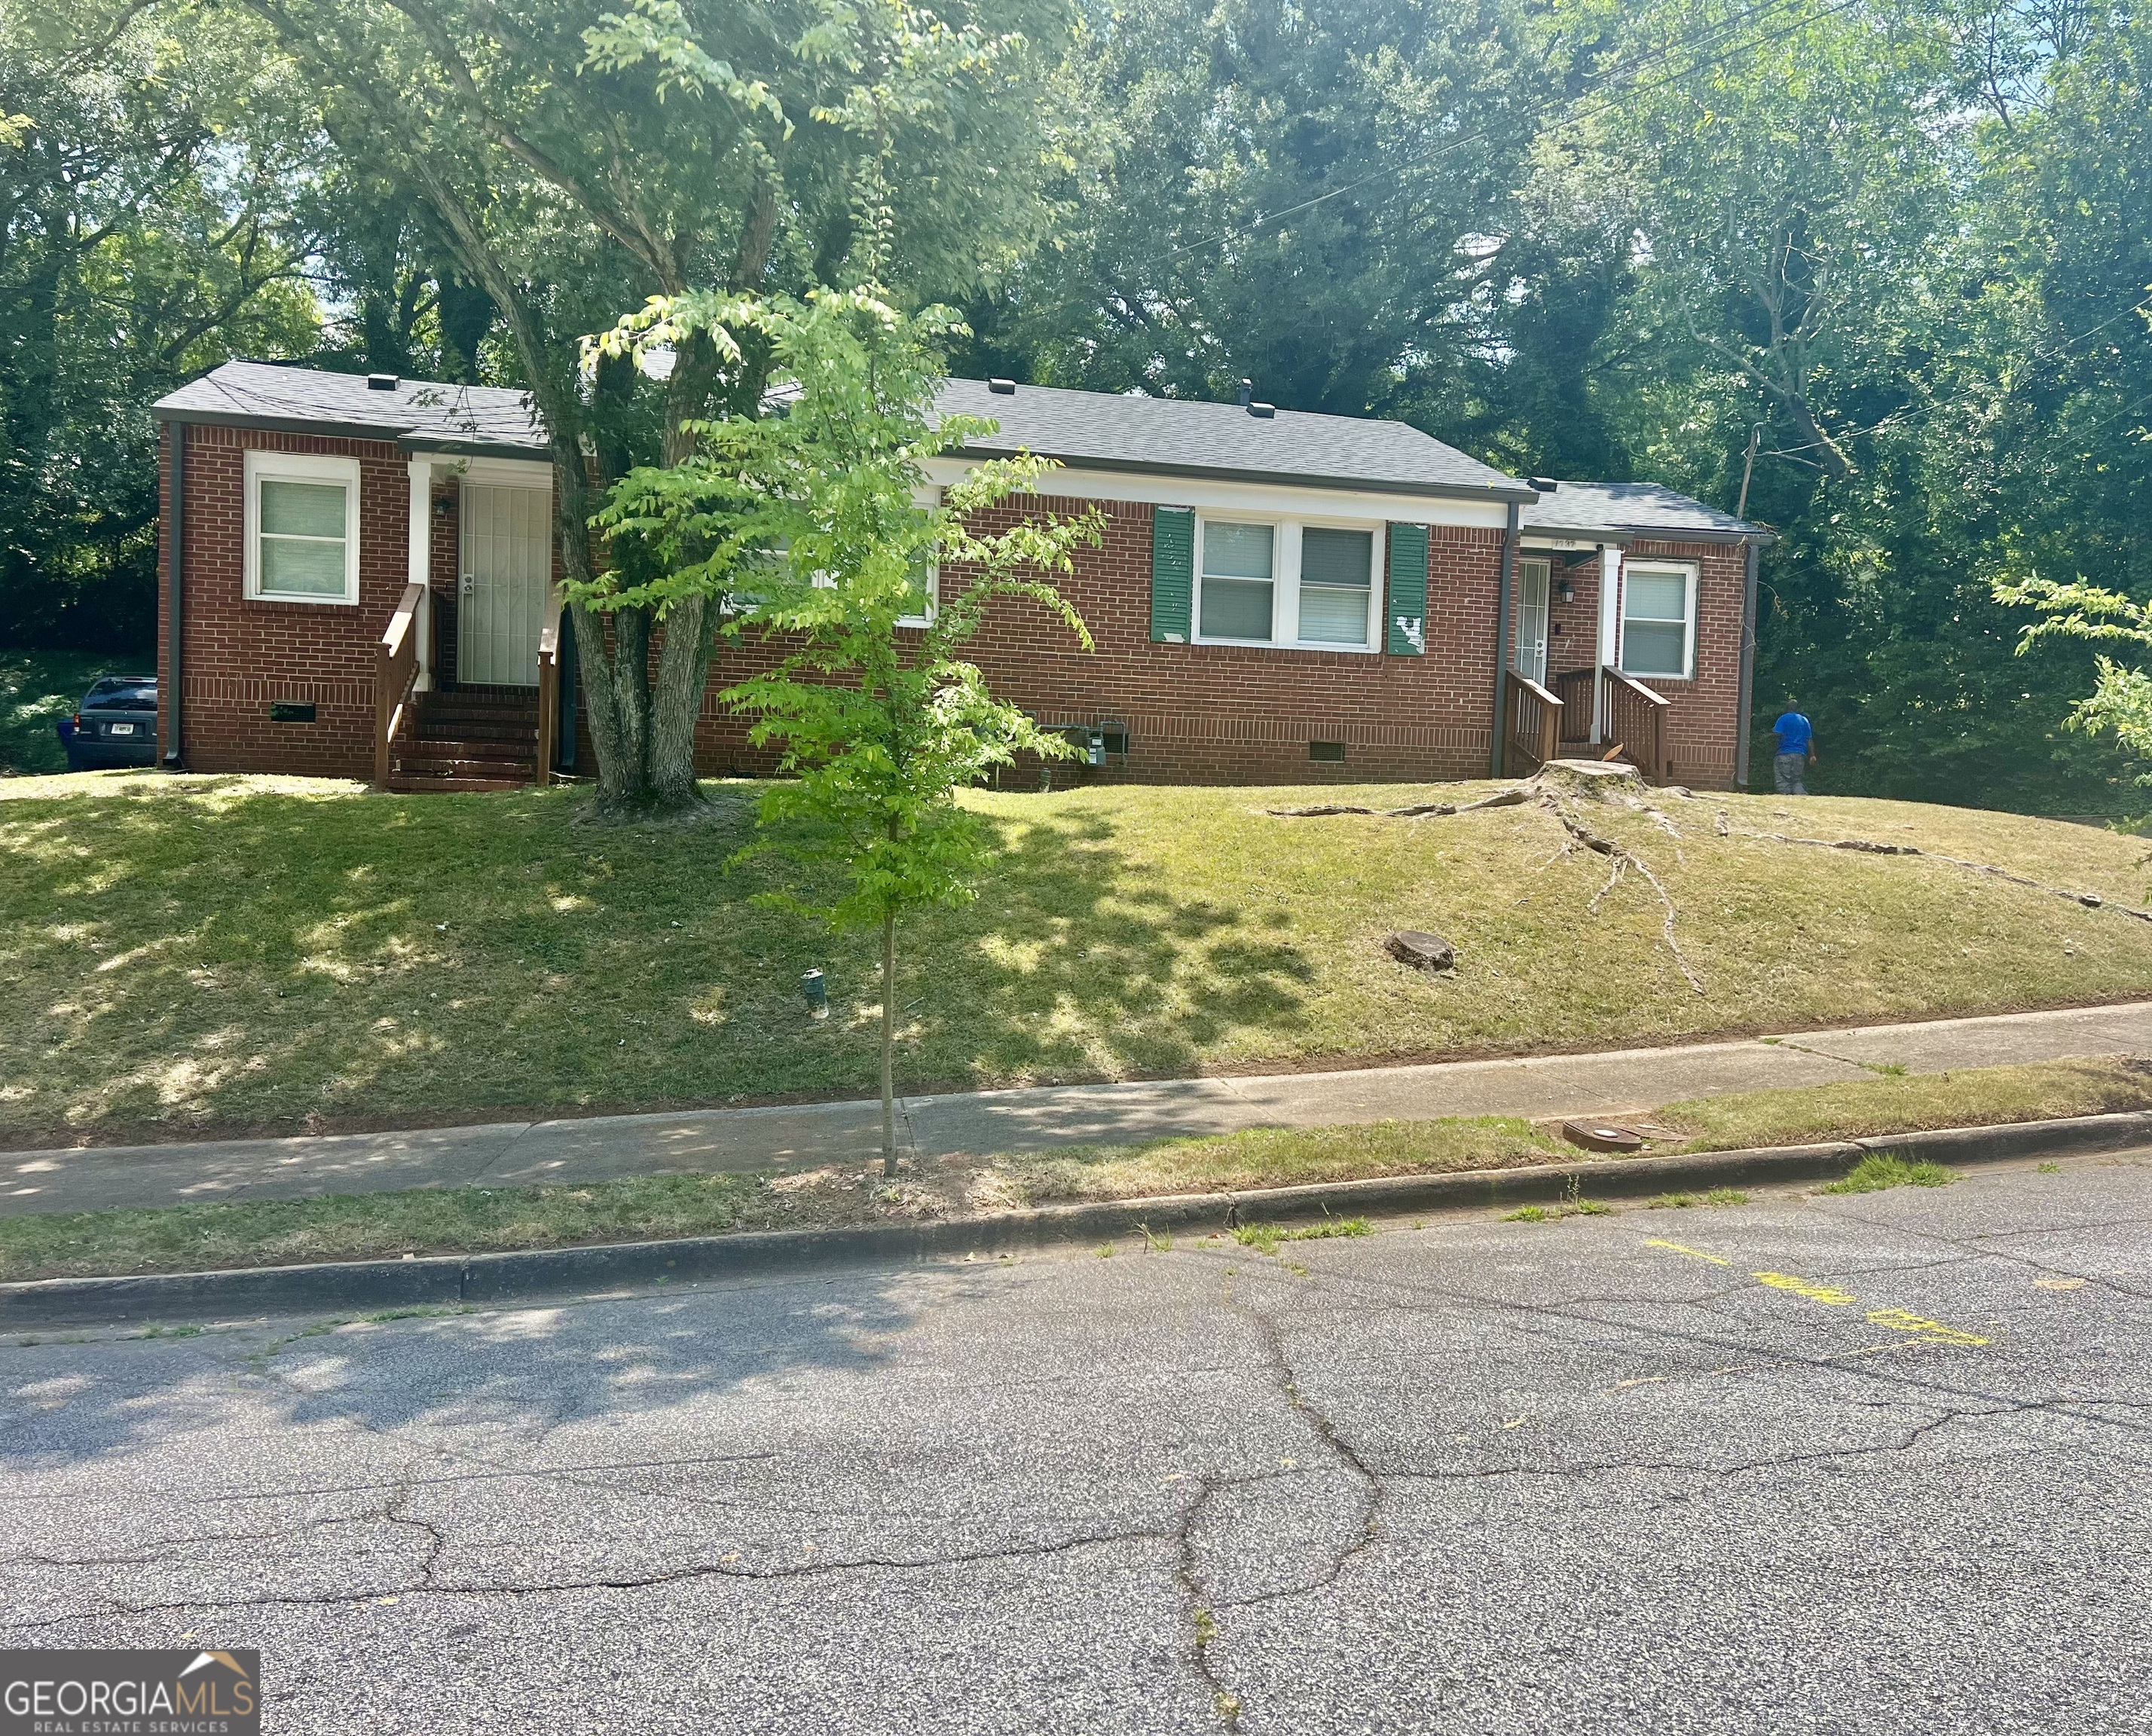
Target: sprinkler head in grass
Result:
[[816, 987]]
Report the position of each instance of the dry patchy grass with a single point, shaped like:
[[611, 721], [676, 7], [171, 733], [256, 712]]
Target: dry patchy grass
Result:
[[182, 953], [1975, 1097]]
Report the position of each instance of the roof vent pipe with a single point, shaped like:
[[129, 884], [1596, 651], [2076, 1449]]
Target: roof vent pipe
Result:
[[381, 383], [1007, 388], [1266, 411], [1247, 392]]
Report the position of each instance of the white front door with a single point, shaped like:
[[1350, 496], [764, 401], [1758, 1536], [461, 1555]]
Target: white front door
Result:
[[1531, 660], [507, 562]]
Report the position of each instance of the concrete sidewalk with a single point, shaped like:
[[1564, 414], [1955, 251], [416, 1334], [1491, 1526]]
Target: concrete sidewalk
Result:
[[522, 1153]]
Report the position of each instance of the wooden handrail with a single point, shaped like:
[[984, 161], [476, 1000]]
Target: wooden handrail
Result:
[[1637, 687], [1575, 687], [549, 695], [1636, 724], [395, 668], [1534, 719]]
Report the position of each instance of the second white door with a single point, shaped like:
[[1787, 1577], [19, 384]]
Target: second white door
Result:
[[1531, 657], [507, 562]]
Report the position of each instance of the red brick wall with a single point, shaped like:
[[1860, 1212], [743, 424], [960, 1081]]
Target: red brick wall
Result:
[[1194, 713], [1706, 709], [237, 656], [1222, 714]]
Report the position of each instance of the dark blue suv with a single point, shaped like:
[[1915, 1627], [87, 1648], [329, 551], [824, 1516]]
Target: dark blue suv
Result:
[[117, 724]]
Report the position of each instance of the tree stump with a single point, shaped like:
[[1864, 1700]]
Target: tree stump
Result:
[[1592, 780], [1423, 951]]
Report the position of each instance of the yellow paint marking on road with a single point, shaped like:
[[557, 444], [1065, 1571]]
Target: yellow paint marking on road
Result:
[[1642, 1380], [1693, 1253], [1800, 1286], [1900, 1321], [2058, 1284]]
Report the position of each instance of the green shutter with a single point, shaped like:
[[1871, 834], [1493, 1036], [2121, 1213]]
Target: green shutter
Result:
[[1172, 573], [1407, 598]]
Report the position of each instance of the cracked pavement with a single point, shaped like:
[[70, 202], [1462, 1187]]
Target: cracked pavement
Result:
[[1591, 1475]]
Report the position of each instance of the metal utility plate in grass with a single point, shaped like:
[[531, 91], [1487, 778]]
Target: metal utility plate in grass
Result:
[[1602, 1136]]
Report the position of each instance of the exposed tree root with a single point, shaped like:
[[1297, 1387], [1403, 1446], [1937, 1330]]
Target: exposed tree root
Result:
[[1417, 810], [1869, 847], [1542, 793]]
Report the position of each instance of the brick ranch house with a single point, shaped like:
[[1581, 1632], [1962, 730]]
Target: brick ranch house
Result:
[[358, 579]]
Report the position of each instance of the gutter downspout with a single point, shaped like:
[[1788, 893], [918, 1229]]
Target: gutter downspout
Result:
[[1499, 759], [168, 691], [1747, 699]]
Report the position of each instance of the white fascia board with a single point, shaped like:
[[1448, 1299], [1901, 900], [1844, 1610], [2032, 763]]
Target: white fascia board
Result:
[[498, 472], [1259, 497]]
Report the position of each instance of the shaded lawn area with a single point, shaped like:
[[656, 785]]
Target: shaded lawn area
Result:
[[187, 954], [472, 1219], [36, 689]]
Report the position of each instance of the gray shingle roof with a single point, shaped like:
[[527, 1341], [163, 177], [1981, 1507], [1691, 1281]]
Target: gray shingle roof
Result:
[[1166, 436], [1631, 508], [424, 415], [1096, 430]]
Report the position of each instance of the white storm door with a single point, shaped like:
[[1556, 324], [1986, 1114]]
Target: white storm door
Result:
[[507, 561], [1531, 657]]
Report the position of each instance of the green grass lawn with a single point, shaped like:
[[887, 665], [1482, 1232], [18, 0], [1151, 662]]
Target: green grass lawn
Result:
[[232, 952], [1976, 1096], [36, 689], [471, 1220]]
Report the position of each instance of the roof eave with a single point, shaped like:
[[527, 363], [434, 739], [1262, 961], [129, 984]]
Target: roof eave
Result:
[[1283, 478], [403, 437], [279, 424], [474, 447], [1660, 533], [1623, 534]]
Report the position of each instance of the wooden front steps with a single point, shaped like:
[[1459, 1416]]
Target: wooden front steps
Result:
[[468, 739]]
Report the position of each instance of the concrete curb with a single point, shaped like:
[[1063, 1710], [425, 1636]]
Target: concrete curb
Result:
[[618, 1268]]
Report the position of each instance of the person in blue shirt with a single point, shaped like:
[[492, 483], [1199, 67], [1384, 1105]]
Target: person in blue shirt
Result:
[[1790, 765]]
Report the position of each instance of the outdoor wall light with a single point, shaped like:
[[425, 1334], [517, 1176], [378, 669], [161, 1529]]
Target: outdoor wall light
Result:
[[816, 987], [1565, 591]]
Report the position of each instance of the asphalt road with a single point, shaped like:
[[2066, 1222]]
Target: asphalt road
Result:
[[1848, 1464]]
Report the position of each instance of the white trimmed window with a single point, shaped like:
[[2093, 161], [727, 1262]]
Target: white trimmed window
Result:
[[926, 584], [1658, 620], [1238, 581], [1337, 585], [302, 527], [1282, 582]]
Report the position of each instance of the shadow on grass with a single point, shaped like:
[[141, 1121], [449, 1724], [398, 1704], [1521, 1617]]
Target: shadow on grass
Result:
[[1075, 964], [213, 954]]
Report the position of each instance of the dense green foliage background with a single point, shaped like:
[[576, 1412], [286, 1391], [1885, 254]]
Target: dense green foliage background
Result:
[[1905, 248]]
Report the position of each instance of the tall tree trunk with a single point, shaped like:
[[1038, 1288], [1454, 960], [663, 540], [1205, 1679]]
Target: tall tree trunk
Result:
[[889, 1045], [684, 672], [683, 660]]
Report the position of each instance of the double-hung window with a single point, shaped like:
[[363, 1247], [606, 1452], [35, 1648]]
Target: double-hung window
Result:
[[1658, 621], [925, 587], [1240, 581], [302, 527], [1337, 578], [1284, 582]]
